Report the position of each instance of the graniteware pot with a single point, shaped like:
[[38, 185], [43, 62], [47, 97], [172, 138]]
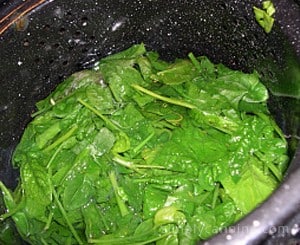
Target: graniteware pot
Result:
[[43, 42]]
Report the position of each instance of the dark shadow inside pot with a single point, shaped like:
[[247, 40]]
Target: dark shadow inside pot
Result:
[[63, 37]]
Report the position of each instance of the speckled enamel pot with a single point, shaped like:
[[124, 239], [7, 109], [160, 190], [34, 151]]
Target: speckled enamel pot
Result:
[[42, 42]]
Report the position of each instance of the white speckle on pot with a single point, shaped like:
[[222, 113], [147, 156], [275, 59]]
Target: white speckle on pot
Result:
[[118, 24], [277, 209], [20, 63], [3, 108], [286, 186], [295, 230], [59, 13], [256, 223], [228, 237]]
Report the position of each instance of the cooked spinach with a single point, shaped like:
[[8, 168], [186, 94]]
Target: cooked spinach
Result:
[[264, 15], [138, 150]]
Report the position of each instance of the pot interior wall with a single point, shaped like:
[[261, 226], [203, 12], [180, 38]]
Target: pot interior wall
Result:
[[63, 37]]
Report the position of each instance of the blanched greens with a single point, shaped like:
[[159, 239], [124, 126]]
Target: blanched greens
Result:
[[142, 151], [264, 16]]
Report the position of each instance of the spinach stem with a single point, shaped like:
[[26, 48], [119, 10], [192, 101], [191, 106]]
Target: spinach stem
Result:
[[131, 239], [78, 160], [123, 208], [48, 135], [47, 226], [6, 193], [38, 112], [64, 214], [12, 212], [270, 166], [275, 171], [135, 167], [275, 126], [143, 143], [62, 139], [150, 166], [124, 162], [215, 196], [54, 156], [195, 61], [163, 98], [108, 123], [103, 220], [10, 203], [154, 239], [43, 241]]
